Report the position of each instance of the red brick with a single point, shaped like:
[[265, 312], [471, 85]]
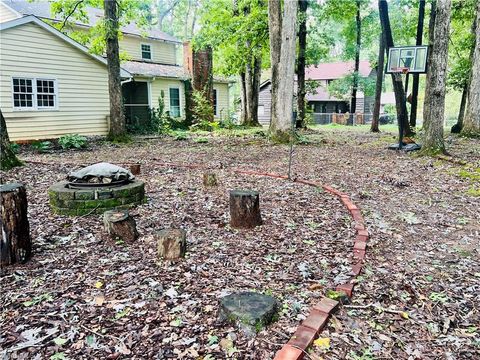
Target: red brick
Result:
[[360, 245], [362, 232], [357, 268], [326, 305], [303, 337], [361, 238], [316, 320], [346, 288], [357, 216], [351, 206], [359, 254], [359, 226], [288, 352]]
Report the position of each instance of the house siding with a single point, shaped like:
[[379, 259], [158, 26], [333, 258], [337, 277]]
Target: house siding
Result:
[[6, 14], [162, 52], [164, 84], [83, 102], [265, 100]]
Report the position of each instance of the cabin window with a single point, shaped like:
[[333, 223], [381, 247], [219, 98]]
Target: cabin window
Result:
[[215, 101], [175, 102], [146, 52], [34, 94]]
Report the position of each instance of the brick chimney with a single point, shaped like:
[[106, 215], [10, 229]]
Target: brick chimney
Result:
[[188, 58]]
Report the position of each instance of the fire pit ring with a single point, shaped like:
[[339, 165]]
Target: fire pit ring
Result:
[[94, 198]]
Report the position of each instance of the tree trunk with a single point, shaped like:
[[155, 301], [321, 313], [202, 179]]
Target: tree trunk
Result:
[[275, 32], [353, 104], [302, 45], [457, 128], [416, 77], [281, 129], [117, 118], [400, 99], [434, 114], [431, 28], [243, 98], [378, 86], [120, 225], [8, 159], [245, 209], [252, 88], [472, 117], [16, 244], [171, 243]]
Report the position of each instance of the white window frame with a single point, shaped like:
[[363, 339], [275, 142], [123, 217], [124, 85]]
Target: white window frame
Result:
[[179, 100], [215, 102], [141, 51], [35, 106]]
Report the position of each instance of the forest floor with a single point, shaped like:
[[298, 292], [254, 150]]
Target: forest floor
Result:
[[84, 296]]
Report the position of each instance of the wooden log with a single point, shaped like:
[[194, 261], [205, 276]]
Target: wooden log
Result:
[[245, 209], [135, 169], [16, 244], [210, 179], [120, 225], [171, 243]]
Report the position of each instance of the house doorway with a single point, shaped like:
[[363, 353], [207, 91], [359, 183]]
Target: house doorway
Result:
[[137, 105]]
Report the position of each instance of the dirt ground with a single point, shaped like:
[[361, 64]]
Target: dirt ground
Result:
[[84, 296]]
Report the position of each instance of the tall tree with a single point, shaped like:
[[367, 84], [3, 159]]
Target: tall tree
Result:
[[471, 125], [302, 47], [358, 31], [378, 85], [434, 111], [400, 98], [416, 77], [275, 32], [8, 158], [281, 126], [117, 117]]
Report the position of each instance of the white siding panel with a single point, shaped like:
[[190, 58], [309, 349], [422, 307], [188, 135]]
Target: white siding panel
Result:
[[83, 102], [162, 52], [222, 100], [159, 85]]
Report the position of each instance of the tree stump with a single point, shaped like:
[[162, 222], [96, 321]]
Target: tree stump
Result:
[[120, 225], [210, 179], [16, 245], [135, 169], [171, 243], [245, 209]]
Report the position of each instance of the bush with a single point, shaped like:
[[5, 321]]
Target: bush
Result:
[[15, 147], [41, 146], [202, 111], [72, 141], [205, 125], [160, 120]]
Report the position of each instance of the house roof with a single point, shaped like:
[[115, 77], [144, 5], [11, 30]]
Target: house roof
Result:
[[336, 70], [41, 9], [150, 69], [32, 19]]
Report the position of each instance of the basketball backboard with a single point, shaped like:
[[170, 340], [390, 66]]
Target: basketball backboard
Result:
[[412, 57]]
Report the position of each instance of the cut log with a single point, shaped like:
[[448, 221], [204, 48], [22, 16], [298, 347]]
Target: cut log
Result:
[[16, 244], [135, 169], [210, 179], [245, 209], [120, 225], [171, 243]]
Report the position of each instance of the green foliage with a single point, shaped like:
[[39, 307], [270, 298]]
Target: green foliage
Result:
[[14, 147], [203, 113], [342, 88], [41, 146], [72, 141]]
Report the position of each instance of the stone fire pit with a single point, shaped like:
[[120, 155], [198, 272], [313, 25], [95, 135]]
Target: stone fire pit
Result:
[[96, 189]]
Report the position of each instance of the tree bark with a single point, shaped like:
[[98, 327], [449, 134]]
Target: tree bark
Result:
[[302, 45], [120, 225], [472, 117], [252, 88], [431, 28], [8, 159], [245, 209], [171, 243], [416, 77], [353, 103], [16, 244], [117, 117], [400, 98], [457, 128], [378, 86], [281, 127], [275, 32], [243, 98], [434, 113]]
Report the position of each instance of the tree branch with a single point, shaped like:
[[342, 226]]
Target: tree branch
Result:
[[70, 13]]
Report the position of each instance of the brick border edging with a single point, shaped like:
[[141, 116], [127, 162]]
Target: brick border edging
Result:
[[312, 326]]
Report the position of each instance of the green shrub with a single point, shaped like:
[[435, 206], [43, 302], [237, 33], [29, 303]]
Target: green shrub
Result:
[[202, 110], [15, 147], [73, 141], [205, 125], [160, 120], [41, 146]]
